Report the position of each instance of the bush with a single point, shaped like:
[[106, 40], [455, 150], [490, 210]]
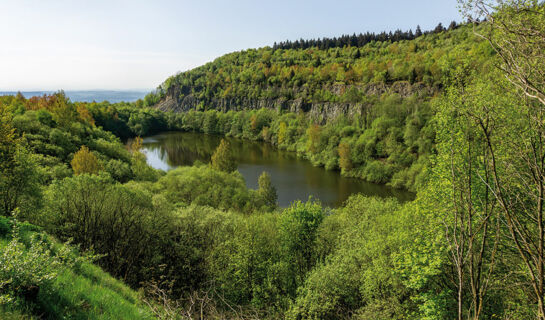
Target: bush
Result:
[[377, 171], [359, 272], [24, 271], [205, 186]]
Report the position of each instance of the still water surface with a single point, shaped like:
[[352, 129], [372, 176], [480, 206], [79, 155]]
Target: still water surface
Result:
[[294, 178]]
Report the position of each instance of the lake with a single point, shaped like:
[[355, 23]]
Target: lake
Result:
[[293, 177]]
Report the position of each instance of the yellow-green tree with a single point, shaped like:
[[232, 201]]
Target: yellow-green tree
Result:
[[282, 133], [84, 114], [345, 163], [253, 123], [63, 111], [266, 134], [140, 168], [85, 162], [222, 159], [136, 144], [313, 132]]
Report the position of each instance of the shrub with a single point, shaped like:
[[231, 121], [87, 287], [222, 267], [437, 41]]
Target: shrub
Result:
[[23, 271]]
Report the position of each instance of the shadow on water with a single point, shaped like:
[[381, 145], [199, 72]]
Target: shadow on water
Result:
[[294, 178]]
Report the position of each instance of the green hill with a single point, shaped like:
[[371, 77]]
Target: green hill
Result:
[[307, 79]]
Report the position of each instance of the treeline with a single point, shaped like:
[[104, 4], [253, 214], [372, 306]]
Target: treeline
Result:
[[127, 120], [361, 39]]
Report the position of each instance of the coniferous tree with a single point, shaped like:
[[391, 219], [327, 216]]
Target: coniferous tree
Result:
[[418, 32], [357, 54]]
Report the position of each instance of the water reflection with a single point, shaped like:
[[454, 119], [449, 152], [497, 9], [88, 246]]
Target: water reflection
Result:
[[294, 178]]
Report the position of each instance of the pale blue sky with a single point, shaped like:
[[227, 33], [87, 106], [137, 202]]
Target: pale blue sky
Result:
[[118, 44]]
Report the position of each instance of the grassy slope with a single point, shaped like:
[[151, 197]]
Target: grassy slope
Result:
[[87, 293]]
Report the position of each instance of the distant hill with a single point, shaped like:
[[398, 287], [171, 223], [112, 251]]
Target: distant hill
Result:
[[89, 95]]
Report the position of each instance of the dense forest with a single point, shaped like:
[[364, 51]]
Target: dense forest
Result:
[[88, 230], [361, 39]]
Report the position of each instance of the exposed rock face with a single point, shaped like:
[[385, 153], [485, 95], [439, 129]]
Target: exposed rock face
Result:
[[319, 111]]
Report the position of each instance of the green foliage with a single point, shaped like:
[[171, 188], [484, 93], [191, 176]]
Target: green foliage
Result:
[[392, 149], [85, 162], [40, 278], [415, 118], [140, 169], [128, 120], [204, 186], [298, 228], [222, 159], [358, 276], [316, 74], [56, 145], [24, 270], [266, 190], [345, 162], [19, 176], [102, 215], [19, 182], [248, 264]]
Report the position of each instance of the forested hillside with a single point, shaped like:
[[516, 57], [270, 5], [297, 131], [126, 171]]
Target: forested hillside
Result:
[[307, 79]]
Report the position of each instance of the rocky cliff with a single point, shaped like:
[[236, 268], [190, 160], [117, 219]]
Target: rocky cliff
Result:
[[178, 101]]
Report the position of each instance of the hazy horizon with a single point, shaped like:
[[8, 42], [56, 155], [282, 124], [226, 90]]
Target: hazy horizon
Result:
[[135, 45], [112, 96]]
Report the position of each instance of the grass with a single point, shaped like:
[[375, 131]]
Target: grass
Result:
[[86, 292], [92, 294], [6, 314]]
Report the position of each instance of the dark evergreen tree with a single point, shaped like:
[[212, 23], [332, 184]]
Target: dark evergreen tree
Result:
[[439, 28], [418, 32], [357, 54]]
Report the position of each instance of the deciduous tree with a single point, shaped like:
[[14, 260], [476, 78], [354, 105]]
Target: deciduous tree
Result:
[[345, 163], [85, 161], [516, 31], [222, 159], [19, 178], [267, 190], [282, 133], [314, 133]]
